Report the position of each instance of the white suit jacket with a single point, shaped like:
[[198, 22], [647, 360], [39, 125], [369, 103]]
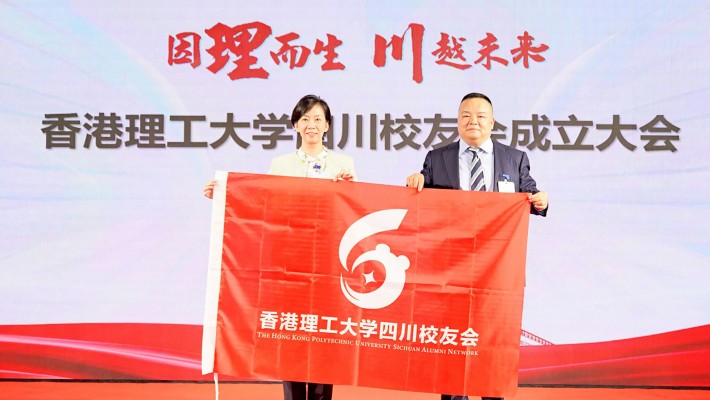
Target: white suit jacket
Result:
[[291, 165]]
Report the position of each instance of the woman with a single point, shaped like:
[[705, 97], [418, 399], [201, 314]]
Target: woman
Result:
[[311, 118]]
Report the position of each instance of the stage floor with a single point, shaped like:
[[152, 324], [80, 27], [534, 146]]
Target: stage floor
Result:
[[65, 390]]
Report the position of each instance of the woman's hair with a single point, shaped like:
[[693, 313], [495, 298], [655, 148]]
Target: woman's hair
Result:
[[305, 104]]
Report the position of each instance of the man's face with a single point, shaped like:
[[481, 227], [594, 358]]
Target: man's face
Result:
[[475, 121]]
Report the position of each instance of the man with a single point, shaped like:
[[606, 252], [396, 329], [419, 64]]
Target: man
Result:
[[449, 167], [476, 162]]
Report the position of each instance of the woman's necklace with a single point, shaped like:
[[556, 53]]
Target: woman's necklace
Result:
[[315, 165]]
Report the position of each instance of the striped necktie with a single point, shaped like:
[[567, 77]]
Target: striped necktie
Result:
[[476, 179]]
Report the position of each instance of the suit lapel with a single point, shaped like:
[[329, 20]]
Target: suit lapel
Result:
[[497, 164], [451, 162]]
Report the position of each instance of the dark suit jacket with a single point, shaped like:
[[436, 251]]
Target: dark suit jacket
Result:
[[441, 169]]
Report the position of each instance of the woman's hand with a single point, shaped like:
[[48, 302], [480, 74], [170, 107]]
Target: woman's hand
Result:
[[344, 175], [208, 190]]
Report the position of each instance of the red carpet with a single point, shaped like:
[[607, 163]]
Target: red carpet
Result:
[[242, 391]]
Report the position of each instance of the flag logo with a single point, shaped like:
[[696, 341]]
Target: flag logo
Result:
[[394, 266]]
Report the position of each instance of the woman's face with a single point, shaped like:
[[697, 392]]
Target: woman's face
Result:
[[312, 125]]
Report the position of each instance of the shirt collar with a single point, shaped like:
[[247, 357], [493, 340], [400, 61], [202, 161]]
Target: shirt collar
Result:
[[486, 147], [305, 157]]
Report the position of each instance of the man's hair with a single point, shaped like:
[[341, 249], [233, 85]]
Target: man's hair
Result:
[[305, 104], [475, 95]]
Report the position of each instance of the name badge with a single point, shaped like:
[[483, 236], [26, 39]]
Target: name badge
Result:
[[506, 186], [318, 171]]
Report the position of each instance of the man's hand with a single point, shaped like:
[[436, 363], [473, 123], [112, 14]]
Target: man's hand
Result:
[[416, 180], [538, 200]]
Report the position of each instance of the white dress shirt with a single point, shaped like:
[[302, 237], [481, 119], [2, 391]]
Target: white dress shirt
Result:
[[485, 153]]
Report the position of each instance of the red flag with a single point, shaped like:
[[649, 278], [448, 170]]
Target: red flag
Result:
[[364, 284]]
